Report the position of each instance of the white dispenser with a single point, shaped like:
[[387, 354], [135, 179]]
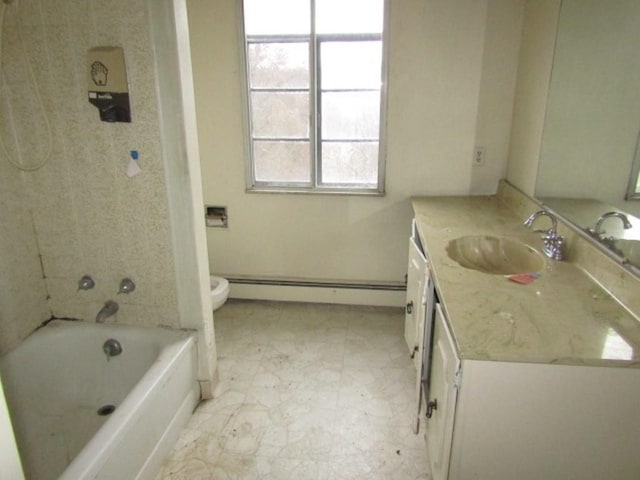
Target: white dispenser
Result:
[[108, 86]]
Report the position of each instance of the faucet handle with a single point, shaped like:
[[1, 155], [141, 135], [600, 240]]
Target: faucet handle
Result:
[[126, 286], [553, 245], [86, 283]]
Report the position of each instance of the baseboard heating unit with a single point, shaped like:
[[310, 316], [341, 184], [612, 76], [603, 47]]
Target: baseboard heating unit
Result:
[[321, 291]]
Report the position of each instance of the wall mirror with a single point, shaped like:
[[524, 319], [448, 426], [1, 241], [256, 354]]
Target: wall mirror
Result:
[[633, 193], [589, 161]]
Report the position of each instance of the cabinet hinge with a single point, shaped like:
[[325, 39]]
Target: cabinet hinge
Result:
[[457, 380]]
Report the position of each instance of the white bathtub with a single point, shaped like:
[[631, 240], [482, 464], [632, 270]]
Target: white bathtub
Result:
[[58, 379]]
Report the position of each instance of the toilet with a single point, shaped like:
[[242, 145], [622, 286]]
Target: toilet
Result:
[[219, 291]]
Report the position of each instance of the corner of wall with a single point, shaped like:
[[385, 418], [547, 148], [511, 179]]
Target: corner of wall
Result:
[[540, 24]]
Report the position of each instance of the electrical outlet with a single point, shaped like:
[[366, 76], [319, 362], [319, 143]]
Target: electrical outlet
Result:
[[478, 156]]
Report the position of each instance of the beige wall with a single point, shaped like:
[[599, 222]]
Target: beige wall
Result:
[[442, 98], [80, 212], [534, 72]]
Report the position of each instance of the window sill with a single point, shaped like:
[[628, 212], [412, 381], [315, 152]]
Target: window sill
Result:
[[372, 192]]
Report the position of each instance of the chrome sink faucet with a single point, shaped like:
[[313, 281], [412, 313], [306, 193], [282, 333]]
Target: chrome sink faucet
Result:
[[553, 242], [110, 308], [597, 230]]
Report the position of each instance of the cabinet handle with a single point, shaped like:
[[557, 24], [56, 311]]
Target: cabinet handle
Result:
[[410, 307], [415, 350], [431, 406]]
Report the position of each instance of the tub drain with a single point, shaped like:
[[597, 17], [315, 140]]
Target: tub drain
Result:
[[106, 410]]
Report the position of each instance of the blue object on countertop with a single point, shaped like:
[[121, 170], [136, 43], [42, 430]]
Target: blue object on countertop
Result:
[[134, 154]]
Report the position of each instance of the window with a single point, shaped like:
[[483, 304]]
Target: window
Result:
[[314, 89]]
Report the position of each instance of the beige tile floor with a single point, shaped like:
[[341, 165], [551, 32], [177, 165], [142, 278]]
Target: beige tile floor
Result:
[[306, 391]]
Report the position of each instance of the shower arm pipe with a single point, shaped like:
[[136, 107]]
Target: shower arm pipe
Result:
[[34, 84]]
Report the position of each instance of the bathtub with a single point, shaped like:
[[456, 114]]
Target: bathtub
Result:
[[61, 388]]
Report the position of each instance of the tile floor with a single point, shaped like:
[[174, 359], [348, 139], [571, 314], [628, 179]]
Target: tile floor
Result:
[[306, 391]]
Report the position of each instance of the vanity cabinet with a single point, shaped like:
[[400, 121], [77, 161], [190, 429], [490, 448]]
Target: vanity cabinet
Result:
[[527, 382], [505, 420]]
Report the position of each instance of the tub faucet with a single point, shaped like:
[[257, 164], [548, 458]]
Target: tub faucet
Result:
[[597, 230], [110, 308], [553, 242]]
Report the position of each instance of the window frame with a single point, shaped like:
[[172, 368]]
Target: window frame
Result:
[[315, 121]]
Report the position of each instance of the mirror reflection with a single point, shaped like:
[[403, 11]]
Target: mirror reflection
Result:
[[633, 193], [589, 161], [613, 228]]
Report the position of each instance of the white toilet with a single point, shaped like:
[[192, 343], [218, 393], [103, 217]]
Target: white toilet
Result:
[[219, 291]]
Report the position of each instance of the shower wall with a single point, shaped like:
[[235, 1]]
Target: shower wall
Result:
[[80, 214]]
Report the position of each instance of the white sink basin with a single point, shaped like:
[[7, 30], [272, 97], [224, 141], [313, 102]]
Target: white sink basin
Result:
[[495, 255]]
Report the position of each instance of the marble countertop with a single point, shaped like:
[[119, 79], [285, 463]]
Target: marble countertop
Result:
[[563, 317]]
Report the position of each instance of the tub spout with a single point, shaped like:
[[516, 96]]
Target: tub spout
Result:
[[110, 308]]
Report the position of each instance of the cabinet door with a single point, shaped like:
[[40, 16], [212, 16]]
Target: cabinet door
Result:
[[414, 312], [443, 392]]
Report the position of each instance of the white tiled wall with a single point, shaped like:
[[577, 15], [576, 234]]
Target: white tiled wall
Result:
[[88, 217]]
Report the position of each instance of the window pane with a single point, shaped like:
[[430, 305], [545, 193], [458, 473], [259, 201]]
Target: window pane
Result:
[[282, 161], [350, 163], [350, 115], [280, 115], [276, 17], [349, 16], [351, 64], [283, 65]]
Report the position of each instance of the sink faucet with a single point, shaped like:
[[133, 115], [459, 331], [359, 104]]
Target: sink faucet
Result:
[[597, 230], [553, 242], [529, 221], [110, 308]]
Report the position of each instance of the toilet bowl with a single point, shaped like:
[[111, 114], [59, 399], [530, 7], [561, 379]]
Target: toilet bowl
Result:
[[219, 291]]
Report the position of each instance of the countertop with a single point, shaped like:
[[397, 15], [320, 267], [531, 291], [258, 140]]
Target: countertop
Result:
[[563, 317]]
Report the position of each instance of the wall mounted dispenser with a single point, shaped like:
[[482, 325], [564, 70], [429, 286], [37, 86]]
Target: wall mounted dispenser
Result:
[[108, 87]]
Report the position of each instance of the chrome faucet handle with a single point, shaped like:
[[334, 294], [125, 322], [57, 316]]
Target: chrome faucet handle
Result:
[[86, 283], [553, 245], [126, 286]]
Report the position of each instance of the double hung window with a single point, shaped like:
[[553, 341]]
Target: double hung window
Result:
[[314, 76]]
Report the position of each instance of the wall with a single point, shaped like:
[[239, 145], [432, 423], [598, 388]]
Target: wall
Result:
[[495, 108], [437, 86], [79, 214], [537, 45], [23, 291]]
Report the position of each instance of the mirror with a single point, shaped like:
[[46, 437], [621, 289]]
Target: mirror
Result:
[[589, 153], [633, 192]]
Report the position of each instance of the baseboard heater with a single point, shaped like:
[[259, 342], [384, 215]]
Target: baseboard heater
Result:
[[396, 287]]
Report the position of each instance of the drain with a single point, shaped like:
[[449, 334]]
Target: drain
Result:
[[106, 410]]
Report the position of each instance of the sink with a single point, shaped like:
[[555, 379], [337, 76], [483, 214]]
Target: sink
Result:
[[495, 255]]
